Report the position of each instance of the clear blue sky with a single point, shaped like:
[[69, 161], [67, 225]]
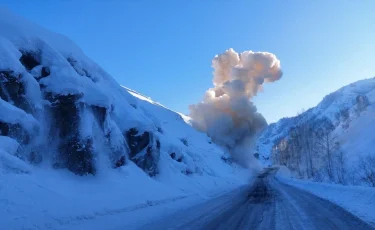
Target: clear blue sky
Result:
[[163, 48]]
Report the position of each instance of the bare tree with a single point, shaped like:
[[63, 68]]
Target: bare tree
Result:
[[366, 170], [295, 148], [308, 142], [352, 176], [281, 152], [304, 144], [340, 159], [327, 144]]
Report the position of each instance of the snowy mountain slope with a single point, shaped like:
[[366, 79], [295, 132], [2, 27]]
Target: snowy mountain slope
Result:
[[350, 113], [196, 152], [62, 114]]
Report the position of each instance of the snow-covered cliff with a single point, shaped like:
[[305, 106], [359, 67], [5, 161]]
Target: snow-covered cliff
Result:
[[62, 115]]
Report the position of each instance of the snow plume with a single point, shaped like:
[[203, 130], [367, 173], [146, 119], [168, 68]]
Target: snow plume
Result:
[[226, 113]]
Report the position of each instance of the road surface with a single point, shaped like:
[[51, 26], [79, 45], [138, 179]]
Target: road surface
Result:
[[268, 204]]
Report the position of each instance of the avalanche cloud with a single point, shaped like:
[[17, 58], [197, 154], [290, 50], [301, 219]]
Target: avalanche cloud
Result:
[[226, 113]]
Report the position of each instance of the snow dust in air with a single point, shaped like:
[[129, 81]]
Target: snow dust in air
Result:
[[226, 113]]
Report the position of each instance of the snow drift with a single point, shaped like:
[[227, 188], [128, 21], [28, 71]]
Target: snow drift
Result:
[[226, 113]]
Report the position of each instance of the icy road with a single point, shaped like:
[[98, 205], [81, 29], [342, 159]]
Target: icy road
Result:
[[268, 204]]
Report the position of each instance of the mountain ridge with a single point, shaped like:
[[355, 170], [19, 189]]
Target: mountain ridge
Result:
[[349, 112]]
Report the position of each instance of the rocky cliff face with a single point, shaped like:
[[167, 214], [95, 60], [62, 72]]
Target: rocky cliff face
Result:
[[63, 108], [65, 121], [61, 115]]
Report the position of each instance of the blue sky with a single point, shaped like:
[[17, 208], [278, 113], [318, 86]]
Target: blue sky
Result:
[[164, 48]]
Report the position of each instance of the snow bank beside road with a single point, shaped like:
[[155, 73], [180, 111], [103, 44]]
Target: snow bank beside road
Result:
[[123, 197], [358, 200]]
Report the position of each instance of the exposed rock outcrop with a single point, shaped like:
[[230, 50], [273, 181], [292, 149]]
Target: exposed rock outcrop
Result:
[[144, 150], [12, 90], [74, 151]]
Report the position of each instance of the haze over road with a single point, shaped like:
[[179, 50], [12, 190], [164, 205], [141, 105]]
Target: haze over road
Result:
[[268, 204]]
